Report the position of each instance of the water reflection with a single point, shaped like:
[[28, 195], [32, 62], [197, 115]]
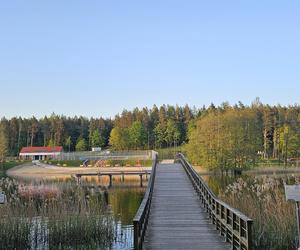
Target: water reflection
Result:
[[124, 198]]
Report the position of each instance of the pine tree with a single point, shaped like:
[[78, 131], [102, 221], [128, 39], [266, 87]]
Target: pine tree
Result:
[[3, 145]]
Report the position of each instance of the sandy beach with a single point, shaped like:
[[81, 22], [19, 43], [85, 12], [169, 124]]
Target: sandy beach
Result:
[[44, 171]]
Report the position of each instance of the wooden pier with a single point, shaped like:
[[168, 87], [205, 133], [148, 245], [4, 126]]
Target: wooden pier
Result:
[[111, 174], [179, 211]]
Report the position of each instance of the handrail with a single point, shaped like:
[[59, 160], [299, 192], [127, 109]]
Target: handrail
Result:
[[140, 220], [233, 225]]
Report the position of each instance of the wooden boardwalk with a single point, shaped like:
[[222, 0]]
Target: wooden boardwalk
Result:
[[177, 220]]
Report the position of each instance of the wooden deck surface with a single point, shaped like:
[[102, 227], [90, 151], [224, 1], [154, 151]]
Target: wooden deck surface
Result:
[[177, 221]]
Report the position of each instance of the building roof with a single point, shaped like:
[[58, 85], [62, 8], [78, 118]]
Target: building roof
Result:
[[57, 149]]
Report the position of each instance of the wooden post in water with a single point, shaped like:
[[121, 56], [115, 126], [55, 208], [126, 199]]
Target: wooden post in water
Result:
[[105, 196], [141, 180], [99, 178], [123, 178], [110, 180]]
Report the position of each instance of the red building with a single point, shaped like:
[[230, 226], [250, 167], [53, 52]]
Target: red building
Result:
[[40, 153]]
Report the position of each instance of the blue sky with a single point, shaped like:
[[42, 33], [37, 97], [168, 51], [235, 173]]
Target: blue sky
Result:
[[95, 58]]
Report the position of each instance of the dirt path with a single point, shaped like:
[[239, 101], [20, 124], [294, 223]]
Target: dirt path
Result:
[[45, 171]]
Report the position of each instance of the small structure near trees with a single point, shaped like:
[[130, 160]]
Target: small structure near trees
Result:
[[40, 153]]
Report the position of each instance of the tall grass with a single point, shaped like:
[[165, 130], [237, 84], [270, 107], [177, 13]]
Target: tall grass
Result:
[[47, 216], [263, 200]]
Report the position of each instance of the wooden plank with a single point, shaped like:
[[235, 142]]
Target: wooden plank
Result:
[[177, 220]]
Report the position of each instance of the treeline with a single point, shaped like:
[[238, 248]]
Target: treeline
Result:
[[152, 128], [138, 129], [77, 133], [238, 136], [216, 137]]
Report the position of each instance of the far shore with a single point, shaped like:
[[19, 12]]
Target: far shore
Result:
[[45, 171]]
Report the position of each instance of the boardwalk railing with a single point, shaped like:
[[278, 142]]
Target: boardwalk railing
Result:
[[140, 220], [232, 224]]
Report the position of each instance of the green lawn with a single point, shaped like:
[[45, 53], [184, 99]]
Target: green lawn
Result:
[[70, 163], [10, 164], [77, 163], [131, 163], [275, 163]]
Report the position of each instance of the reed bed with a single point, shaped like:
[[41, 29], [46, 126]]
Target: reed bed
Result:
[[43, 215], [263, 200]]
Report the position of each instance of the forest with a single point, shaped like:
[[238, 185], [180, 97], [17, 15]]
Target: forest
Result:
[[222, 137], [138, 129]]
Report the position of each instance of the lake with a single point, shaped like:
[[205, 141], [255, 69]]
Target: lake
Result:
[[124, 199]]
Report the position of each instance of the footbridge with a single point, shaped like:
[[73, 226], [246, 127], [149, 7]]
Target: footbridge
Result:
[[179, 211]]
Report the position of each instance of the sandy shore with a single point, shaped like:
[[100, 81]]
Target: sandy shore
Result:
[[46, 171], [31, 170]]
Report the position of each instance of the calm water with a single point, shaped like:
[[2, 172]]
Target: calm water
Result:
[[124, 202], [124, 199]]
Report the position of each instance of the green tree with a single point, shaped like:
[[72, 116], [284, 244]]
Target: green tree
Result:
[[97, 140], [3, 145], [51, 143], [160, 133], [115, 138], [172, 134], [68, 143], [81, 144], [285, 141], [137, 135], [225, 139], [119, 139]]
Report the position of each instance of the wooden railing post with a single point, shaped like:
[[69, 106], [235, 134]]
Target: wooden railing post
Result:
[[136, 229], [140, 220], [249, 235]]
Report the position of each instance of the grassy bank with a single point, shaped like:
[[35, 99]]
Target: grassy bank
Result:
[[265, 163], [104, 163], [69, 163], [129, 163], [10, 164]]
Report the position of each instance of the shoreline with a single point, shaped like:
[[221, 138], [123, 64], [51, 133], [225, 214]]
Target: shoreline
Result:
[[46, 171]]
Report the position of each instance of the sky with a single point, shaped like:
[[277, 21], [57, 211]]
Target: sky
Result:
[[96, 58]]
